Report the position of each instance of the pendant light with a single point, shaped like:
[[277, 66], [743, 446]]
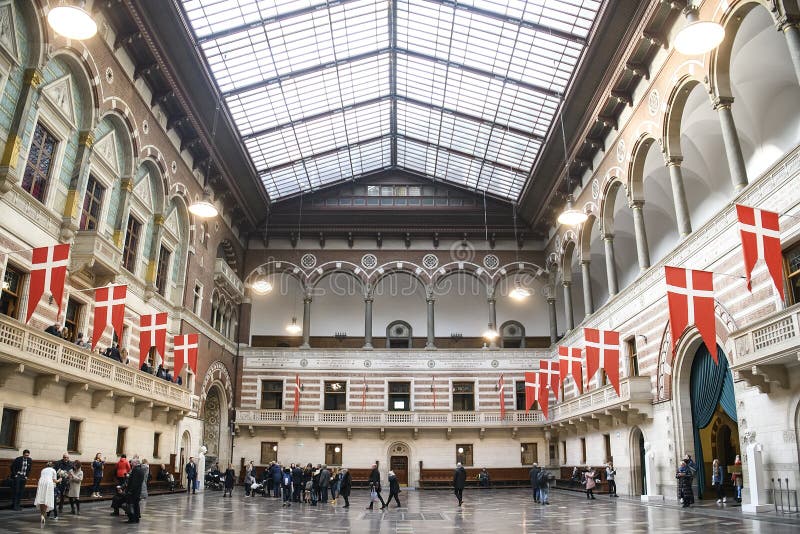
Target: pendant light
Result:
[[490, 333], [294, 328], [570, 216], [698, 36], [519, 292], [261, 285], [205, 208], [72, 21]]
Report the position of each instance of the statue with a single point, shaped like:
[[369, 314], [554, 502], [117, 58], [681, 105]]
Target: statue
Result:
[[201, 468]]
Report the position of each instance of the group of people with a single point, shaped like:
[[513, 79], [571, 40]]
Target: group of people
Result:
[[590, 477], [687, 470]]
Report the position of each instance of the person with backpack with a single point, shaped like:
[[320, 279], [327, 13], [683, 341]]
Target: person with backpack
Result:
[[543, 485], [286, 485]]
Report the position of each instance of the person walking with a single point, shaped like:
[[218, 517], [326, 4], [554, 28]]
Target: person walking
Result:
[[394, 489], [459, 481], [134, 493], [20, 471], [345, 486], [612, 484], [336, 479], [589, 482], [543, 485], [98, 464], [534, 475], [75, 477], [717, 479], [375, 487], [230, 479], [123, 468], [45, 498], [324, 483], [191, 477], [685, 475], [286, 486], [248, 478]]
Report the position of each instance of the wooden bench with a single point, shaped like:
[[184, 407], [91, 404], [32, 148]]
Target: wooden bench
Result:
[[107, 486], [498, 476], [566, 482]]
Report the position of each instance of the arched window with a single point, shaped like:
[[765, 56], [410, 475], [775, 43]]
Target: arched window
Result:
[[398, 335], [512, 335]]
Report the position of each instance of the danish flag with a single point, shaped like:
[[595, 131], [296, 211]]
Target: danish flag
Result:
[[602, 352], [501, 387], [552, 378], [761, 239], [534, 388], [569, 363], [109, 307], [296, 394], [48, 272], [185, 351], [153, 333], [690, 296]]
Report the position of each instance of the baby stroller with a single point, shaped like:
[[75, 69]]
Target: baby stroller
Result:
[[257, 489], [214, 481]]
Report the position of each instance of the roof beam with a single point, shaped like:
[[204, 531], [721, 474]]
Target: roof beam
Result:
[[324, 5], [324, 153], [567, 36], [456, 152], [480, 72], [393, 78], [304, 72]]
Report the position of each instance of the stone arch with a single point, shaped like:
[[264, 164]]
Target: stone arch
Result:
[[124, 138], [471, 269], [674, 114], [153, 152], [127, 118], [585, 237], [346, 268], [608, 204], [279, 268], [639, 152], [516, 269], [82, 75], [507, 329], [387, 269], [159, 184], [39, 37], [637, 466], [391, 336], [568, 248]]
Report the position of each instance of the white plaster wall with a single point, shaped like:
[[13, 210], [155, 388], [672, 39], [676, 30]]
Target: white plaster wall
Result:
[[399, 297]]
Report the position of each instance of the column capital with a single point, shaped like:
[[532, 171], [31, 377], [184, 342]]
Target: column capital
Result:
[[158, 220], [722, 102], [307, 299], [608, 237], [33, 77], [672, 161], [787, 22], [369, 299], [430, 300], [585, 261], [636, 204], [551, 300], [86, 138], [566, 283], [127, 184]]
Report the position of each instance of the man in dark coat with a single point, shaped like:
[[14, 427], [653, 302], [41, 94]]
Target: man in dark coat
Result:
[[299, 483], [534, 474], [20, 471], [64, 465], [134, 492], [346, 485], [276, 472], [191, 476], [375, 485], [459, 481], [324, 483]]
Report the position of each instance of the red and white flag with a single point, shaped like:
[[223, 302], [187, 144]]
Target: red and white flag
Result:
[[602, 352], [501, 388], [48, 272], [552, 378], [109, 307], [153, 333], [533, 388], [569, 363], [761, 240], [184, 350], [296, 395], [690, 296]]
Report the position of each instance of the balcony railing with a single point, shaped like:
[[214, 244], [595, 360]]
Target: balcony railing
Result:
[[387, 419], [224, 276], [635, 398], [764, 348], [54, 360], [95, 254]]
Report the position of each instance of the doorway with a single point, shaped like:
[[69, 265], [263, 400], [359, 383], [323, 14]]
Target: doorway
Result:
[[399, 464], [638, 474]]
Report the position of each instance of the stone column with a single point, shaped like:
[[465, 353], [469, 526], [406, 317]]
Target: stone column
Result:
[[673, 164], [586, 275], [551, 308], [71, 217], [493, 322], [29, 96], [642, 250], [367, 323], [126, 188], [306, 323], [732, 147], [430, 344], [611, 268], [568, 304], [791, 31], [155, 249]]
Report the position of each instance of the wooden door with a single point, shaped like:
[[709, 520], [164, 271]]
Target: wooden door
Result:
[[399, 464]]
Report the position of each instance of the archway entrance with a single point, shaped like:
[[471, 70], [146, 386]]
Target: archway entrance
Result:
[[185, 452], [214, 426], [638, 474], [398, 462], [714, 424]]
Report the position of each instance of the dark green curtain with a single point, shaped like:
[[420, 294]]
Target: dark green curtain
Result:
[[710, 385]]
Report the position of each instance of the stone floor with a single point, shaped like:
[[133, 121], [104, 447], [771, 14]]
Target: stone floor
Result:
[[484, 511]]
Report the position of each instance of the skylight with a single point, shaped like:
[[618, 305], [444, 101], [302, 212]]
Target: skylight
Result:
[[462, 91]]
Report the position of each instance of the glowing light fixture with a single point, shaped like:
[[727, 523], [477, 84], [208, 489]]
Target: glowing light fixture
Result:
[[571, 216], [490, 333], [337, 449], [461, 450], [274, 447], [204, 208], [73, 22], [520, 293], [698, 36], [261, 286], [294, 328]]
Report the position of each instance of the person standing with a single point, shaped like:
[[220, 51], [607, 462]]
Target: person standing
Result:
[[685, 476], [123, 468], [336, 481], [394, 489], [45, 498], [98, 464], [345, 486], [543, 485], [134, 493], [248, 478], [612, 484], [483, 478], [324, 483], [298, 483], [146, 468], [534, 474], [459, 481], [62, 467], [20, 471], [191, 477], [737, 478], [286, 486], [230, 479], [717, 479], [589, 482], [75, 477], [375, 487]]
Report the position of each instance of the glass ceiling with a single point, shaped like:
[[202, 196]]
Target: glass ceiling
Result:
[[462, 91]]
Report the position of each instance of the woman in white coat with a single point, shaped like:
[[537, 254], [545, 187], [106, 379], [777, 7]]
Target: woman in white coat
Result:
[[74, 493], [45, 494]]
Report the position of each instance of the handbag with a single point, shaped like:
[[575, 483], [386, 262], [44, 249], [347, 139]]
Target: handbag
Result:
[[373, 495]]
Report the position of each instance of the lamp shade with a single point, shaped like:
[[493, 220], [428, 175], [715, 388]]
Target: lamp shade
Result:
[[293, 327], [570, 216], [73, 22], [520, 293], [204, 208], [698, 36], [261, 286]]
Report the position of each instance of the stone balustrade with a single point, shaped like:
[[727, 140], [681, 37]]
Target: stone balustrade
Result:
[[228, 280], [635, 399]]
